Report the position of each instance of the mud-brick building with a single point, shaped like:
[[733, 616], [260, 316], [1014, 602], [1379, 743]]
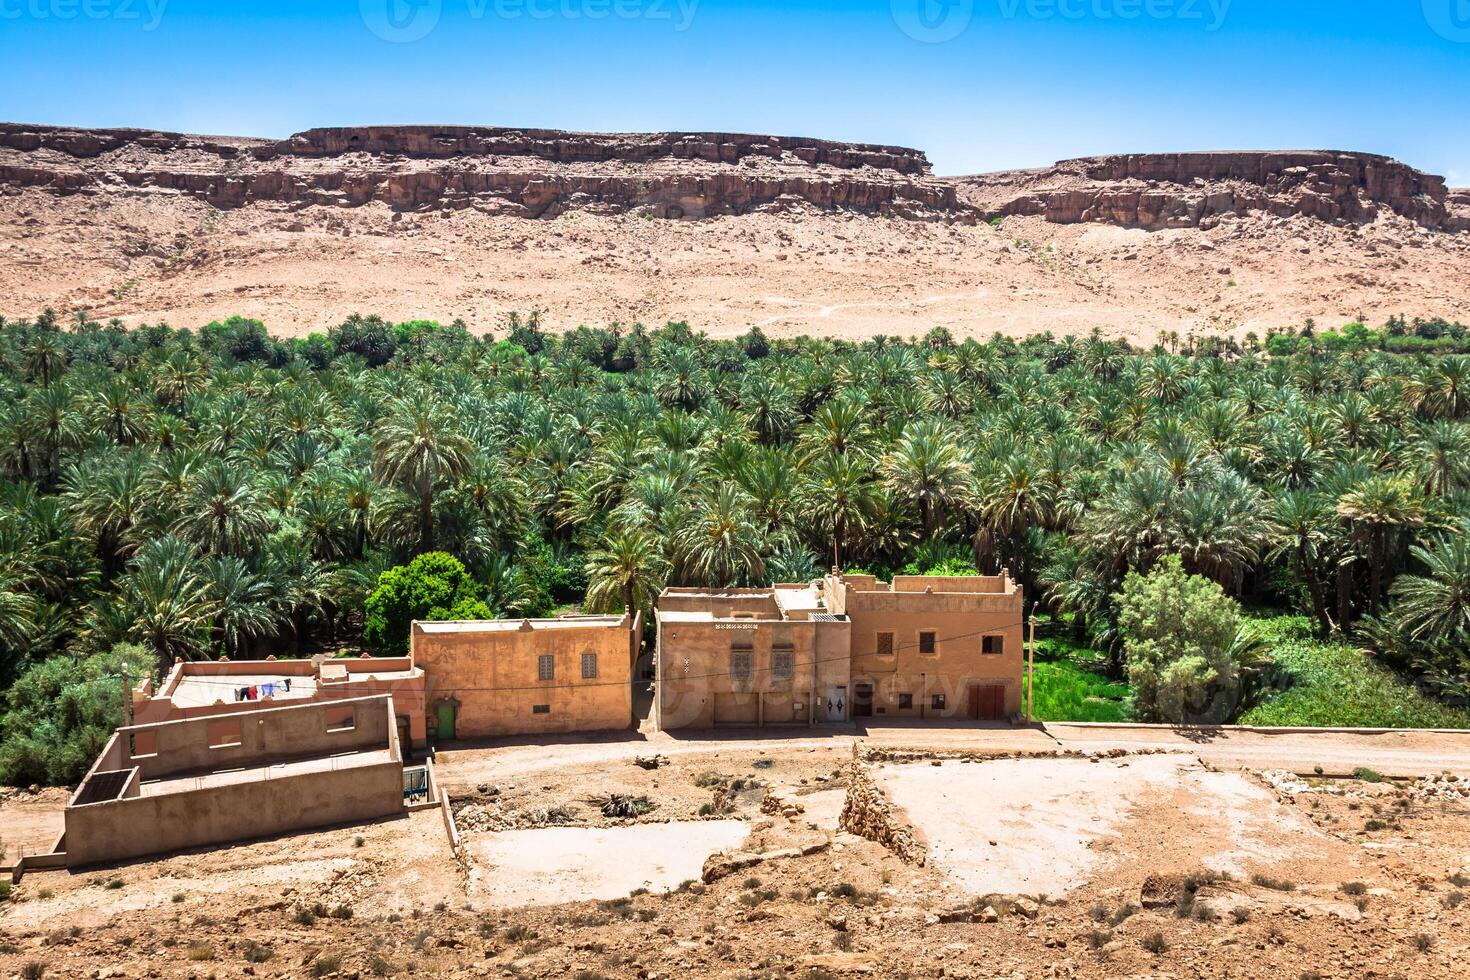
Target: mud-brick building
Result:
[[222, 778], [748, 657], [932, 646], [496, 678], [195, 689], [845, 647]]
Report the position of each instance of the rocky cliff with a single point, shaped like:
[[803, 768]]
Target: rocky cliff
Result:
[[532, 172], [1191, 190], [539, 173]]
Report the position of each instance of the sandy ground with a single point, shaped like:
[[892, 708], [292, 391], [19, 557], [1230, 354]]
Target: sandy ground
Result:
[[1034, 827], [1019, 826], [575, 864], [32, 821], [146, 257], [1393, 754], [1332, 878]]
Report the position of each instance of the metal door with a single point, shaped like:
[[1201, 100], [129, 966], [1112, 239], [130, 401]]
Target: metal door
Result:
[[446, 721], [837, 704]]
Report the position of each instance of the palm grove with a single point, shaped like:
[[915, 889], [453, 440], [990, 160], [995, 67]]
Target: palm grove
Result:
[[179, 494]]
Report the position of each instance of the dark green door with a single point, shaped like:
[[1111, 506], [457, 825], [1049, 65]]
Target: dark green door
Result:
[[446, 721]]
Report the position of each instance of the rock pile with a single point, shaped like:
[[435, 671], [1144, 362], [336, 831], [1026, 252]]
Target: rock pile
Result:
[[869, 813]]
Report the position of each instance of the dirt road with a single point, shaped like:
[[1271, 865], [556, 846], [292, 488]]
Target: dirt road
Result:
[[1405, 754]]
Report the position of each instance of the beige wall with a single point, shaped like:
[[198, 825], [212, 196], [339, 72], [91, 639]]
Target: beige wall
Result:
[[267, 735], [363, 680], [696, 689], [234, 800], [493, 676], [140, 826], [959, 621]]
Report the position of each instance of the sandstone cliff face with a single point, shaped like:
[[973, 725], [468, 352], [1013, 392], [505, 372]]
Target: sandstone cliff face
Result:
[[541, 173], [1191, 190], [533, 172]]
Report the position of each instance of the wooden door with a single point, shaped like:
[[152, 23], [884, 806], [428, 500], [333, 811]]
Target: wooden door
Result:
[[862, 701], [987, 702]]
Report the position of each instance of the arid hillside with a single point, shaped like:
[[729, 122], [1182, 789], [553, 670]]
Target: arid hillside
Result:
[[725, 231]]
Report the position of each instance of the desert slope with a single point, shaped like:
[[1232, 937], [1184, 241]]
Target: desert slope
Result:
[[726, 231]]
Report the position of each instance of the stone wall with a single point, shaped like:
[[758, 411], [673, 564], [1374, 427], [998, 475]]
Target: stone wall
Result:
[[869, 813]]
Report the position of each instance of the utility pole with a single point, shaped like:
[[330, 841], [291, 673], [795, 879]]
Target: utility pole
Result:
[[1031, 672], [127, 693]]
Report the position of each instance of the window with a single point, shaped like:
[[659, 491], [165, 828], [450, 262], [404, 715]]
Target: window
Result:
[[341, 719], [884, 645], [589, 666], [145, 744], [928, 645], [546, 667], [992, 645], [540, 709], [937, 702], [906, 701], [740, 665], [781, 666], [223, 734]]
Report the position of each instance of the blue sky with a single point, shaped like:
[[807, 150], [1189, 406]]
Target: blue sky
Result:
[[979, 84]]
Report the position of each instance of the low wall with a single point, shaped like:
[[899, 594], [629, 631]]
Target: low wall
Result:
[[266, 735], [147, 825], [867, 812]]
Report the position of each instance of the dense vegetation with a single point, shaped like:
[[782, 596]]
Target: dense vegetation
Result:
[[220, 491]]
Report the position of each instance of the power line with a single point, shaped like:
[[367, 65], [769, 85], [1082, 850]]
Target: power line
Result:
[[599, 683]]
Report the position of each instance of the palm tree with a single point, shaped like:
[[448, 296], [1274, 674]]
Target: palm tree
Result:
[[1011, 501], [1443, 452], [769, 407], [110, 502], [926, 468], [1301, 519], [839, 497], [627, 567], [417, 447], [242, 603], [1434, 608], [166, 593], [44, 356], [720, 545], [223, 512], [1378, 507]]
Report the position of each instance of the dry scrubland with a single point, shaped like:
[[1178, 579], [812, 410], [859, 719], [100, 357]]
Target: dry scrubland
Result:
[[1093, 862], [147, 258]]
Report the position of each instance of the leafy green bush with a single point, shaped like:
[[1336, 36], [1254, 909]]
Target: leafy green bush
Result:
[[60, 714], [434, 586], [1333, 685]]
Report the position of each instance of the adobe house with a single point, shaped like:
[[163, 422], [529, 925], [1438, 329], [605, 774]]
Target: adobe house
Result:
[[494, 678], [222, 778], [194, 689], [932, 646], [844, 647], [749, 657]]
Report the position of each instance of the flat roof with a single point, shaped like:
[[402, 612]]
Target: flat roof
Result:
[[196, 691], [801, 599], [189, 782], [512, 625]]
